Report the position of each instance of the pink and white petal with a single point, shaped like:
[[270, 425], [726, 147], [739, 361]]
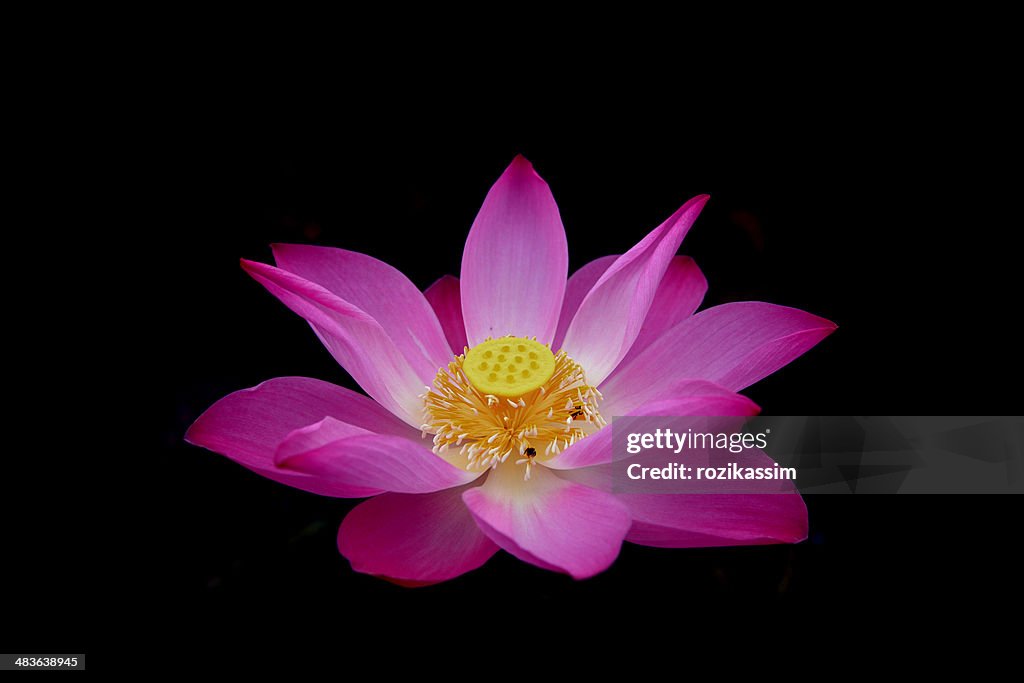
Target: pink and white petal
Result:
[[366, 463], [248, 425], [733, 345], [515, 261], [576, 289], [701, 520], [550, 522], [680, 293], [379, 290], [611, 315], [444, 297], [414, 539], [691, 397], [353, 337]]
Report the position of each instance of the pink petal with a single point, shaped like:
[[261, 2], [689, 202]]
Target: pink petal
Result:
[[420, 539], [314, 436], [690, 397], [548, 521], [359, 461], [733, 345], [354, 338], [248, 425], [443, 296], [379, 290], [578, 286], [756, 514], [678, 296], [709, 519], [610, 317], [515, 261]]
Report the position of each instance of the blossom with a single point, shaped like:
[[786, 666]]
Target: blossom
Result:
[[489, 395]]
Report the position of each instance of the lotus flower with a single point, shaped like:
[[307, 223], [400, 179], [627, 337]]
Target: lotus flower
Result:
[[489, 395]]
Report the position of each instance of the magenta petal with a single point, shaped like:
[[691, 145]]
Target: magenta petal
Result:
[[610, 317], [248, 425], [366, 463], [317, 435], [678, 296], [515, 261], [443, 296], [710, 519], [354, 338], [691, 391], [691, 397], [733, 345], [576, 289], [414, 538], [705, 518], [550, 522], [758, 513], [379, 290]]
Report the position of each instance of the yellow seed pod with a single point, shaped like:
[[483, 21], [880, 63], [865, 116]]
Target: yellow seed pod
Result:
[[509, 366]]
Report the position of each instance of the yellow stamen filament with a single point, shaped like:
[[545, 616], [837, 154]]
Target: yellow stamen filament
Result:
[[488, 429]]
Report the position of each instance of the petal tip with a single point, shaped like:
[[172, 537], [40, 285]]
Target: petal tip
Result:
[[825, 325], [249, 266], [699, 201], [256, 269], [752, 406], [522, 168], [191, 435]]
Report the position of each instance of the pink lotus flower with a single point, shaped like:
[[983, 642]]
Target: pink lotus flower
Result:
[[498, 452]]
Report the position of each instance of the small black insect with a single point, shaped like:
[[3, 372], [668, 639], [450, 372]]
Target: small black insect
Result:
[[531, 452]]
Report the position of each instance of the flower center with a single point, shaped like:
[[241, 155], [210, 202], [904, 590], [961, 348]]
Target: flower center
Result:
[[509, 396]]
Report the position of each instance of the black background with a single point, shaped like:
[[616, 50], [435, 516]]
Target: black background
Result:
[[849, 208], [848, 220]]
